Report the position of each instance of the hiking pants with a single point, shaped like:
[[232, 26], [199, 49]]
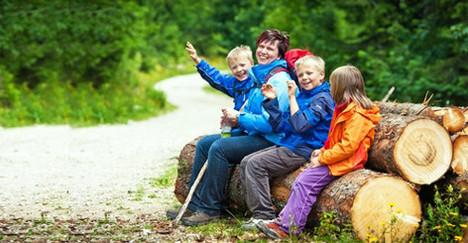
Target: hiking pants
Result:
[[221, 154], [258, 169], [303, 195]]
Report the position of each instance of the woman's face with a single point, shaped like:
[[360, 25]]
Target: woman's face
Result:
[[267, 51]]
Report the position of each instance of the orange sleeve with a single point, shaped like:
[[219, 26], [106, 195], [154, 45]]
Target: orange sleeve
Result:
[[355, 130]]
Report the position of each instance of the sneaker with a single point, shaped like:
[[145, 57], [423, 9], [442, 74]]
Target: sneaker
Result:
[[272, 230], [171, 214], [251, 224], [199, 218]]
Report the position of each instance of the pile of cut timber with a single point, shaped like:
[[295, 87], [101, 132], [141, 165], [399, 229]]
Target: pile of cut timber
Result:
[[414, 145]]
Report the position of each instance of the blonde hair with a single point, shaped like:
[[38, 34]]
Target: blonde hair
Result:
[[347, 84], [315, 61], [240, 51]]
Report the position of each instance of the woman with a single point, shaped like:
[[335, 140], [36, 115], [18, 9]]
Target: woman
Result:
[[222, 154]]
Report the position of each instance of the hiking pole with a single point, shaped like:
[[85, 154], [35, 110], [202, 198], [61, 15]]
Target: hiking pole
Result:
[[190, 194]]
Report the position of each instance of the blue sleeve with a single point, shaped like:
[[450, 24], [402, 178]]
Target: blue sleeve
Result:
[[216, 79], [303, 120], [259, 122], [278, 120]]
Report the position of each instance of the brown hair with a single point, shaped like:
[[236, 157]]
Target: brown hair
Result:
[[271, 35], [347, 84]]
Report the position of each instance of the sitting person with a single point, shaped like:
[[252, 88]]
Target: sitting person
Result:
[[305, 126], [236, 85], [223, 153], [351, 134]]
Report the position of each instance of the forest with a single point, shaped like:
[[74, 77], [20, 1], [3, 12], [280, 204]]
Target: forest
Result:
[[85, 59]]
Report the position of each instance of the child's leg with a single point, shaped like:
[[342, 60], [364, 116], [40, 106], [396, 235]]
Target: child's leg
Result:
[[303, 195], [258, 170]]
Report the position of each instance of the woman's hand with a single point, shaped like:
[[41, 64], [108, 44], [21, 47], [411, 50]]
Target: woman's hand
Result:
[[268, 91], [192, 52], [292, 88], [230, 116]]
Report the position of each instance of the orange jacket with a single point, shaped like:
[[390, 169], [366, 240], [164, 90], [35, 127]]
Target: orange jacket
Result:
[[350, 136]]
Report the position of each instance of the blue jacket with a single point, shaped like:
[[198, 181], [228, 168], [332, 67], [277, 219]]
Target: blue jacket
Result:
[[226, 83], [254, 118], [307, 129]]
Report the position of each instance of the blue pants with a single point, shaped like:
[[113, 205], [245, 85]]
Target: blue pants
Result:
[[221, 154]]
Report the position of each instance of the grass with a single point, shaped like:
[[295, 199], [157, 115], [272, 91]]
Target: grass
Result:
[[167, 179]]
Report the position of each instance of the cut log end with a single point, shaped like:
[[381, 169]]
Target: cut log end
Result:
[[423, 151], [386, 208], [460, 155]]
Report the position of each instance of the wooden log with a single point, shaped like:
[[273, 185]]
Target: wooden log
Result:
[[453, 120], [377, 204], [362, 197], [460, 155], [416, 148], [406, 109]]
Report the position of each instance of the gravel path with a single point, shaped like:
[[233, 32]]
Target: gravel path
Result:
[[92, 172]]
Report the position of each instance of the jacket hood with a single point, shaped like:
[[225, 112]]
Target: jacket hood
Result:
[[372, 114], [260, 71]]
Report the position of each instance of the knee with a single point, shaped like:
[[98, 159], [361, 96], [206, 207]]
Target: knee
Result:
[[254, 165], [203, 145]]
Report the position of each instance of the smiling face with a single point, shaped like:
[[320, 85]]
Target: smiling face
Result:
[[240, 66], [267, 52], [309, 76]]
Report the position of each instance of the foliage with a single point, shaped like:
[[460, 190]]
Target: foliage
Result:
[[442, 220], [100, 46]]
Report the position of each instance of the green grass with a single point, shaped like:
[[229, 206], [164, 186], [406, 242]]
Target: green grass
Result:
[[166, 180], [86, 105]]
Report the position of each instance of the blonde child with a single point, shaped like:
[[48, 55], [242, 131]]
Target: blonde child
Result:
[[305, 126], [236, 85], [350, 136]]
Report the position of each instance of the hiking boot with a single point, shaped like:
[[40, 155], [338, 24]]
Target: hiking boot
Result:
[[171, 214], [272, 230], [199, 218], [251, 224]]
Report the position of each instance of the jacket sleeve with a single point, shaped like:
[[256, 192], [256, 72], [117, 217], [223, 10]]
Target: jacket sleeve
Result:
[[216, 79], [278, 120], [259, 122], [305, 119], [355, 131]]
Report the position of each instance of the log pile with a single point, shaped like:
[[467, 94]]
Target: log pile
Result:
[[414, 145]]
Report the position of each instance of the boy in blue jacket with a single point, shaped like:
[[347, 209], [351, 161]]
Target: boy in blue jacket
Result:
[[305, 126], [236, 85]]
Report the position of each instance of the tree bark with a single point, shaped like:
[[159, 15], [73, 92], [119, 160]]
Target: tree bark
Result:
[[416, 148], [406, 109], [376, 204]]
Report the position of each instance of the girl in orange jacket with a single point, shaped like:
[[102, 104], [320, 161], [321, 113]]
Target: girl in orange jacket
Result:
[[350, 136]]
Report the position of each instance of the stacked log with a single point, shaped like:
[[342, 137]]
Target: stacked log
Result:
[[411, 148], [377, 205]]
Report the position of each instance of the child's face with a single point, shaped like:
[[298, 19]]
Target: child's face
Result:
[[309, 77], [240, 67]]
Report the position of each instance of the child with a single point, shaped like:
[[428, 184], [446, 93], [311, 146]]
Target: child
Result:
[[351, 134], [305, 126], [236, 85]]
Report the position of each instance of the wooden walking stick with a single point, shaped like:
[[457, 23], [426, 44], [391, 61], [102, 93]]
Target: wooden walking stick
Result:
[[190, 194]]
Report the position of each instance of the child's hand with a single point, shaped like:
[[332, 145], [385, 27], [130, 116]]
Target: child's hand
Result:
[[314, 162], [315, 153], [292, 88], [268, 91], [192, 52]]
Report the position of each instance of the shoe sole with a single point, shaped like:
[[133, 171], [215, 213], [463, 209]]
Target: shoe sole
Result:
[[173, 215], [191, 223], [264, 228]]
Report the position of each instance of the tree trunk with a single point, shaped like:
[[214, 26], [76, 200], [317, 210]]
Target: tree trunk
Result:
[[460, 155], [377, 204], [406, 109], [416, 148]]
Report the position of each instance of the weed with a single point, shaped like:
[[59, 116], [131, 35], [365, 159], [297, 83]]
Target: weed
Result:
[[166, 180]]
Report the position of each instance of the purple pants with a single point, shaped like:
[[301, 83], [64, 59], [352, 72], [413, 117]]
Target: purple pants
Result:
[[303, 195]]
